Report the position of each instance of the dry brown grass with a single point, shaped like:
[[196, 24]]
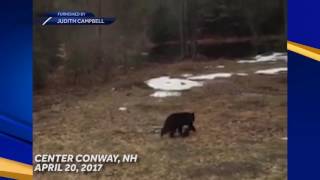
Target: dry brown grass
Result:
[[239, 121]]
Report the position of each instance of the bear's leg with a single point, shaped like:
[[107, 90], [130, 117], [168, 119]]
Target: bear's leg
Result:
[[162, 132], [186, 132], [191, 127], [172, 133], [180, 130]]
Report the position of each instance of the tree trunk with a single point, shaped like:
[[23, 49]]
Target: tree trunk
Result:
[[285, 16], [182, 34], [187, 28], [100, 32]]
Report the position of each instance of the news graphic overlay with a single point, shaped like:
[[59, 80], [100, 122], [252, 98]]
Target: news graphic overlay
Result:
[[16, 91], [74, 18], [80, 163]]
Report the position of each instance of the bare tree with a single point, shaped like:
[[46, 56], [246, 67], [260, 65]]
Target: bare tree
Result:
[[182, 29]]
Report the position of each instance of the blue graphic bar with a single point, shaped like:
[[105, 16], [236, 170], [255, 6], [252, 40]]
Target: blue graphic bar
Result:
[[69, 14], [74, 18], [16, 81], [77, 21]]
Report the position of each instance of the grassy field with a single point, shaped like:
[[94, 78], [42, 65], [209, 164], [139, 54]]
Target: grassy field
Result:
[[240, 124]]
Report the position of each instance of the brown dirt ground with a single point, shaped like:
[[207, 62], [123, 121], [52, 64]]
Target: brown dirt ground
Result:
[[240, 122]]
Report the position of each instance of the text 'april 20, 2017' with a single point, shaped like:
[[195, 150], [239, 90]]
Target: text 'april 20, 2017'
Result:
[[79, 162]]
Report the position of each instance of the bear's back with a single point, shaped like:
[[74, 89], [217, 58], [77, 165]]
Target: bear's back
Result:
[[180, 118]]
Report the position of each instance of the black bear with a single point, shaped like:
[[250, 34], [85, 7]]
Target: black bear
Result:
[[177, 121]]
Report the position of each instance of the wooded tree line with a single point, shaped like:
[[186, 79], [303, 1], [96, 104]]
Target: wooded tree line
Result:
[[89, 53]]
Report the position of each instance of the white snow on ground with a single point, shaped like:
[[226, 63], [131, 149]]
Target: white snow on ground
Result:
[[166, 83], [122, 108], [272, 57], [62, 51], [241, 74], [167, 86], [220, 66], [186, 75], [276, 56], [210, 76], [272, 71], [162, 94], [144, 54]]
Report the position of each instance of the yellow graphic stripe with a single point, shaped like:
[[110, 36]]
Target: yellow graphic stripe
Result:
[[304, 50], [15, 170]]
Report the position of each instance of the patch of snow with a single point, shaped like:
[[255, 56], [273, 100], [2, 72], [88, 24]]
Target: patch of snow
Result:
[[166, 83], [162, 94], [211, 76], [62, 51], [123, 109], [144, 54], [283, 56], [246, 61], [186, 75], [241, 74], [220, 66], [272, 71], [276, 56]]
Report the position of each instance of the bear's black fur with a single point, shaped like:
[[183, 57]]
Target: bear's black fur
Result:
[[177, 121]]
